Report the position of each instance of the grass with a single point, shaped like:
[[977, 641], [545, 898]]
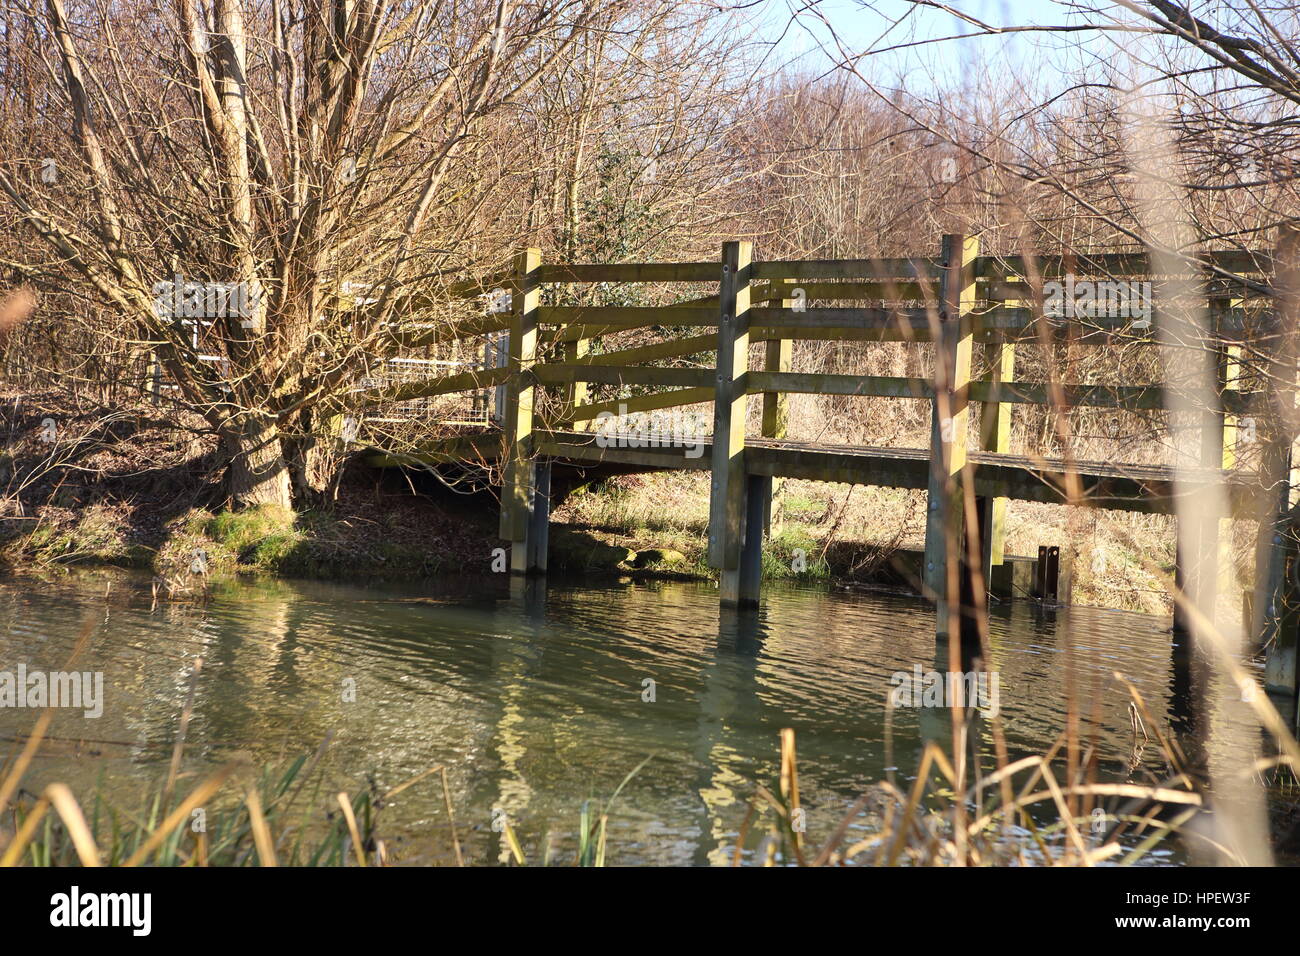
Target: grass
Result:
[[93, 536], [230, 834], [793, 552], [944, 820], [271, 540], [286, 815], [255, 535]]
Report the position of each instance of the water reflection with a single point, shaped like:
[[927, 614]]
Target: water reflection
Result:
[[533, 695]]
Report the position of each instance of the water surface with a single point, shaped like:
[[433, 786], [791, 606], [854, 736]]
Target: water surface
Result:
[[536, 697]]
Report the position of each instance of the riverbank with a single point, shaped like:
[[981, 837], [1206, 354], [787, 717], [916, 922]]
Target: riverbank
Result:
[[138, 488]]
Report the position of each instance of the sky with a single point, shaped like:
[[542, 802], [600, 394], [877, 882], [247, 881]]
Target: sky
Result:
[[797, 31]]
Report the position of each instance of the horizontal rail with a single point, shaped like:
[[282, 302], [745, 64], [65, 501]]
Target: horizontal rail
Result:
[[1134, 264], [461, 382], [846, 269], [809, 383], [1018, 289], [565, 374], [619, 316], [858, 289], [1024, 393], [632, 272], [674, 348], [913, 320], [699, 302], [1000, 324], [642, 403]]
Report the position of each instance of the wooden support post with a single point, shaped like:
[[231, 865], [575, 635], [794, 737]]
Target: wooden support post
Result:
[[1275, 434], [575, 393], [518, 487], [995, 436], [727, 488], [758, 505], [945, 507], [778, 355], [539, 531], [1277, 593]]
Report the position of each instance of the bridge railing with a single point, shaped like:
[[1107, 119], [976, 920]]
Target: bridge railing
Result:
[[1216, 303]]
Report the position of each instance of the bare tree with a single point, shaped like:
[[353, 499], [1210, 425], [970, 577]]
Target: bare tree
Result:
[[263, 193]]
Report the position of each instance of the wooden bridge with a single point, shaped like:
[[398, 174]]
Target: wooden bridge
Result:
[[1233, 312]]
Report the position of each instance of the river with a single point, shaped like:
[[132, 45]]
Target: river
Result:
[[539, 697]]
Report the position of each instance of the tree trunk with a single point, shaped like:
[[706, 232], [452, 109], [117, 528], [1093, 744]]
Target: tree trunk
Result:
[[257, 474], [314, 464]]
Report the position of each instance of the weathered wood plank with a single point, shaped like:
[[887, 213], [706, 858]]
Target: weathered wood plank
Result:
[[892, 289], [517, 492], [628, 317], [445, 385], [981, 390], [846, 318], [673, 348], [727, 491], [631, 272], [644, 403], [814, 383], [778, 354], [950, 424], [995, 436], [847, 269], [1135, 264]]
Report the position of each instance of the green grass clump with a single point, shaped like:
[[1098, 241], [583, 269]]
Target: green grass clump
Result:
[[245, 532], [288, 804], [96, 537], [792, 552]]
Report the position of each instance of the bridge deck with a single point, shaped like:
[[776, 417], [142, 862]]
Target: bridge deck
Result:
[[1112, 485]]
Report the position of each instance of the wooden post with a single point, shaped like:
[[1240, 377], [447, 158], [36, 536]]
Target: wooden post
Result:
[[758, 504], [778, 355], [995, 436], [728, 485], [1276, 592], [518, 488], [539, 530], [945, 507], [575, 393]]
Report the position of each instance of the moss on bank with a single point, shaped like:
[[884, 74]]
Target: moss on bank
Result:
[[206, 544]]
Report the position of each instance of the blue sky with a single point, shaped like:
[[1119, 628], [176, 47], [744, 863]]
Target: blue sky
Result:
[[864, 25]]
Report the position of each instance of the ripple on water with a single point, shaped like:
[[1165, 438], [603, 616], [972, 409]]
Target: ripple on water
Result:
[[535, 706]]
